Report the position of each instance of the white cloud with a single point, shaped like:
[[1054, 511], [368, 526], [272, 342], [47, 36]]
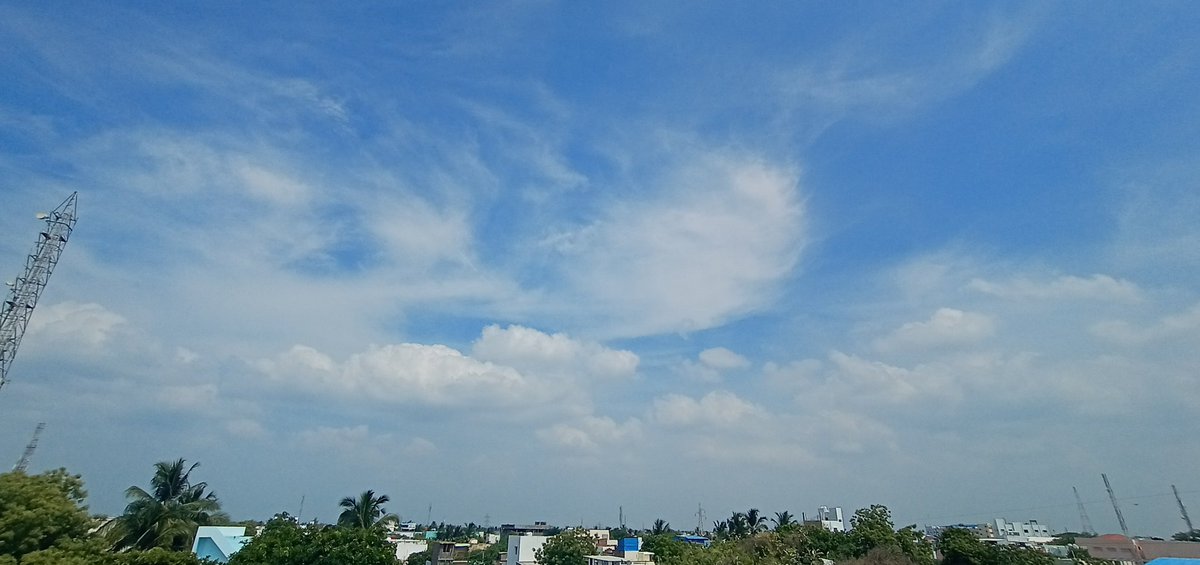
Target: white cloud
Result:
[[715, 244], [406, 373], [591, 433], [947, 326], [715, 409], [532, 351], [1184, 323], [79, 324], [1067, 287], [721, 358]]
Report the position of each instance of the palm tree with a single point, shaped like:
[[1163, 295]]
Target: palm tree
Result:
[[661, 527], [783, 520], [167, 515], [755, 522], [738, 526], [365, 512]]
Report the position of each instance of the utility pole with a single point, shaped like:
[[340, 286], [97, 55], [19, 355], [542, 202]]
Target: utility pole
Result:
[[1117, 509], [1183, 510], [33, 442], [1083, 516], [26, 289]]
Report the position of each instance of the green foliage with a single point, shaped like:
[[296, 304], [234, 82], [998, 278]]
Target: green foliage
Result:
[[960, 547], [418, 558], [94, 551], [872, 528], [783, 521], [661, 527], [486, 556], [283, 542], [668, 550], [39, 511], [167, 515], [366, 511], [567, 548]]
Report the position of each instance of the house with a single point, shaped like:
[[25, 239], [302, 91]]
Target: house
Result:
[[219, 543], [521, 549], [448, 553], [829, 518]]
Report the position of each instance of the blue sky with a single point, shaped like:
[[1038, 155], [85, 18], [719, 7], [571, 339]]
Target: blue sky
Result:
[[539, 260]]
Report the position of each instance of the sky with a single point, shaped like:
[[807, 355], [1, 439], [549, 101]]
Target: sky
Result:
[[517, 261]]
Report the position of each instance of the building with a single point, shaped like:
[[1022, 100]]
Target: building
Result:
[[537, 529], [694, 540], [630, 552], [829, 518], [448, 553], [1031, 529], [1116, 547], [219, 543], [605, 545], [521, 549], [406, 547]]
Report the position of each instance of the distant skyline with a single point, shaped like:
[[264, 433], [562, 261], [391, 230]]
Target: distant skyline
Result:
[[538, 260]]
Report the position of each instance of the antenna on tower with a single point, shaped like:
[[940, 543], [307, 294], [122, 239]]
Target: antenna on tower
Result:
[[23, 297], [699, 518], [33, 442], [1117, 509], [1083, 517], [1183, 510]]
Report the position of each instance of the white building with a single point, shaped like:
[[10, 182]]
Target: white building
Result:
[[521, 549], [1030, 529], [406, 547], [831, 518]]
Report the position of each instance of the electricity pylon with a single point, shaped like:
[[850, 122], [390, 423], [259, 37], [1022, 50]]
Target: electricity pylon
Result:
[[16, 309]]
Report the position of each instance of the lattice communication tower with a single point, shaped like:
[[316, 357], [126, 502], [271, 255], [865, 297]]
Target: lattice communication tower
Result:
[[23, 296]]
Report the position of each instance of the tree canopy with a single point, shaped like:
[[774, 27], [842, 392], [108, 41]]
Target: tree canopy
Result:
[[365, 511], [168, 514], [283, 542], [567, 548], [40, 511]]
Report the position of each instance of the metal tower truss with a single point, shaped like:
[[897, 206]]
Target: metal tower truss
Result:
[[23, 463], [23, 296]]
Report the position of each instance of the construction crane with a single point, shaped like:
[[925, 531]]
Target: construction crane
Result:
[[29, 449], [1117, 509], [1183, 510], [23, 296], [1083, 516]]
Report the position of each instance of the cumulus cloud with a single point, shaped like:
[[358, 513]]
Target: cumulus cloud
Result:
[[81, 324], [721, 358], [530, 350], [711, 363], [715, 409], [405, 373], [716, 243], [1123, 332], [947, 326], [591, 433], [1067, 287]]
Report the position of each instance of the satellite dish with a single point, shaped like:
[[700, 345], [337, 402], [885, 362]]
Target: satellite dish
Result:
[[42, 215]]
